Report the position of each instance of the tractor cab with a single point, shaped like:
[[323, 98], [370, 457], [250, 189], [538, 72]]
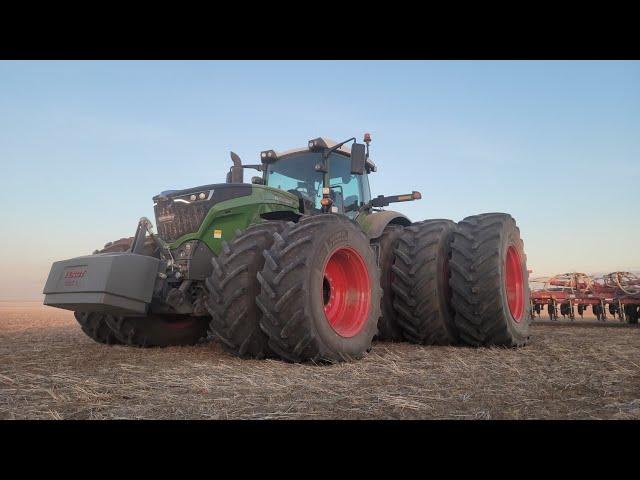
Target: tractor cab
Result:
[[296, 174], [325, 176]]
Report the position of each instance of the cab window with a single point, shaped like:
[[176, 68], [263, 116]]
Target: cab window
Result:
[[296, 174]]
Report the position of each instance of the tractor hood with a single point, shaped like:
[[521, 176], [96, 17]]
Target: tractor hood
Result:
[[179, 212], [219, 191]]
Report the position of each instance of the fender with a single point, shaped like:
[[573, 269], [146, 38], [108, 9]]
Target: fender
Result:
[[375, 223]]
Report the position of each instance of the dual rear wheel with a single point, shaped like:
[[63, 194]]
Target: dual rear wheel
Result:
[[461, 283], [420, 286], [490, 282]]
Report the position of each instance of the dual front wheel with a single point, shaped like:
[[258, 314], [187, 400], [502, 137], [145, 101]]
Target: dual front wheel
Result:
[[299, 291], [144, 331], [147, 331]]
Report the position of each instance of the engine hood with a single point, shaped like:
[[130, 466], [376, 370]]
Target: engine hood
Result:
[[179, 212]]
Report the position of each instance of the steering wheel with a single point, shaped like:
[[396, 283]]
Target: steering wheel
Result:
[[351, 203], [297, 192], [308, 203]]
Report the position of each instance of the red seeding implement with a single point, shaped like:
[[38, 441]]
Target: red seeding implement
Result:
[[617, 292]]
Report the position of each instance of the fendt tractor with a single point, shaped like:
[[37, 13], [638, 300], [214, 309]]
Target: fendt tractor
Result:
[[300, 264]]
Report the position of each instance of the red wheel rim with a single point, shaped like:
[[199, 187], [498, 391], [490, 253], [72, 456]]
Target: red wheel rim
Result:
[[346, 292], [514, 284]]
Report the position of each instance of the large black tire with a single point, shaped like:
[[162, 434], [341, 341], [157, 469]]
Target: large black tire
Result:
[[421, 283], [322, 260], [388, 327], [490, 282], [158, 330], [94, 325], [233, 287]]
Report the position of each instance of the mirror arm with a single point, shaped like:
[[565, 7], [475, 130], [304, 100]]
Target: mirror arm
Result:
[[255, 167], [329, 151]]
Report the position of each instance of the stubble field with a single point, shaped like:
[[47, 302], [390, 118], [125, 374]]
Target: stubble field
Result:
[[50, 370]]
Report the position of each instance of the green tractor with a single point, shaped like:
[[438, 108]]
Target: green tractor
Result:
[[300, 264]]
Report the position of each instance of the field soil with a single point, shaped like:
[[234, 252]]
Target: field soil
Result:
[[50, 370]]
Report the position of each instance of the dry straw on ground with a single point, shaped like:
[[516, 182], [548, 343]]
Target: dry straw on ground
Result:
[[49, 369]]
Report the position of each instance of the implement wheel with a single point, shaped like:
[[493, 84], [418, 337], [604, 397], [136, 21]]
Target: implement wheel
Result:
[[597, 311], [490, 282], [233, 287], [158, 330], [421, 283], [320, 291], [632, 312]]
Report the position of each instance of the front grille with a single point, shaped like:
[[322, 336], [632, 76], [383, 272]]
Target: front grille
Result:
[[179, 212], [177, 219]]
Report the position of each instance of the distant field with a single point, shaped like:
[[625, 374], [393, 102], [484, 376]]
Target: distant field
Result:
[[49, 369]]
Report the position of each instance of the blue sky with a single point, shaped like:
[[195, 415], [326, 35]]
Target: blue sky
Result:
[[85, 145]]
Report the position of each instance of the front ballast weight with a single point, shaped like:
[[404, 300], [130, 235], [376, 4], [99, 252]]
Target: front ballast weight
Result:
[[117, 283]]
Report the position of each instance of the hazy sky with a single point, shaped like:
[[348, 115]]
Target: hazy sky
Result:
[[85, 145]]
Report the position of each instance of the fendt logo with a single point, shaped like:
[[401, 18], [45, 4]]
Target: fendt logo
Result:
[[73, 277], [75, 274]]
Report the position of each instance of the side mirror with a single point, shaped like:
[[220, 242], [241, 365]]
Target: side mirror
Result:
[[358, 158], [257, 180]]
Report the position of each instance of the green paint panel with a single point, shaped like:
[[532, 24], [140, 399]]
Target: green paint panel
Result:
[[364, 220], [237, 214]]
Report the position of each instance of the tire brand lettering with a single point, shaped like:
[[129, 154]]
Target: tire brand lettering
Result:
[[337, 238]]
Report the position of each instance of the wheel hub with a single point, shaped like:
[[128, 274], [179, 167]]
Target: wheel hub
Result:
[[346, 292], [514, 284]]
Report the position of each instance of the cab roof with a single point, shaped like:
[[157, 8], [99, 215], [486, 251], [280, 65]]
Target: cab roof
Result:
[[344, 149]]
